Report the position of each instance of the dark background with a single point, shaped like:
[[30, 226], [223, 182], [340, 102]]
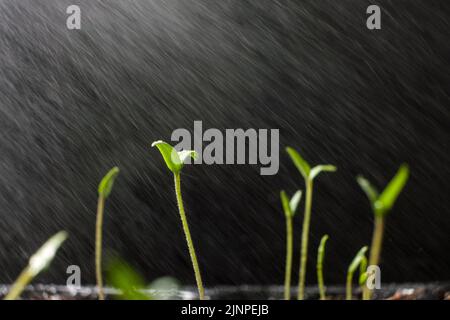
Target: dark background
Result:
[[75, 103]]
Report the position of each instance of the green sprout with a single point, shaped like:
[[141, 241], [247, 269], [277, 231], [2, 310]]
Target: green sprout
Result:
[[175, 161], [309, 174], [122, 276], [320, 257], [289, 208], [358, 261], [381, 205], [132, 286], [363, 275], [104, 190], [38, 262]]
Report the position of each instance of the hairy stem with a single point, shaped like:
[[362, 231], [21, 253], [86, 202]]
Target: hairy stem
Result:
[[375, 251], [305, 236], [19, 285], [98, 247], [187, 233], [289, 248]]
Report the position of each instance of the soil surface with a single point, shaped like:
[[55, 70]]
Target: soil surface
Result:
[[431, 291]]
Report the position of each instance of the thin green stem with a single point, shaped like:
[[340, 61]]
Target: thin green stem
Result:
[[98, 246], [320, 257], [348, 291], [187, 233], [375, 251], [362, 273], [19, 285], [289, 249], [305, 236]]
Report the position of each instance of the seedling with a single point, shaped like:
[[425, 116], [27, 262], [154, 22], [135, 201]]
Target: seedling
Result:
[[363, 275], [320, 257], [358, 261], [289, 208], [104, 190], [132, 286], [381, 205], [175, 161], [38, 262], [122, 276], [309, 174]]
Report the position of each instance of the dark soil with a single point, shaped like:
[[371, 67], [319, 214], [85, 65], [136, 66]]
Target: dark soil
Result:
[[431, 291]]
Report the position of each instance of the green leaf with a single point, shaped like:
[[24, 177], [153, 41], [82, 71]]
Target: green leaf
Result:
[[174, 160], [321, 168], [299, 162], [290, 206], [363, 271], [390, 194], [362, 278], [106, 185], [44, 256], [285, 203], [368, 188], [123, 277], [295, 200], [357, 260]]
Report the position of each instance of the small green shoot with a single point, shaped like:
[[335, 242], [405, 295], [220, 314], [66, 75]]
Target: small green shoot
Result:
[[289, 208], [363, 275], [175, 161], [122, 276], [320, 258], [132, 285], [358, 261], [309, 174], [38, 262], [381, 205], [104, 190]]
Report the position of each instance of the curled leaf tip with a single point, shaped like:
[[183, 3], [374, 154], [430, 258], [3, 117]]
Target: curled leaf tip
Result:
[[155, 143], [357, 259], [106, 185], [321, 168]]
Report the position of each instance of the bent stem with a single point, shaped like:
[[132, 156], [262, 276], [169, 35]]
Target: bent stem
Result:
[[375, 251], [187, 233], [304, 245], [39, 261], [98, 247], [19, 285], [289, 249]]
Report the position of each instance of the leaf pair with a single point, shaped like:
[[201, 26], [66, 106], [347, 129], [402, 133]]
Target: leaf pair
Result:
[[174, 159], [383, 203], [305, 169], [290, 205]]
